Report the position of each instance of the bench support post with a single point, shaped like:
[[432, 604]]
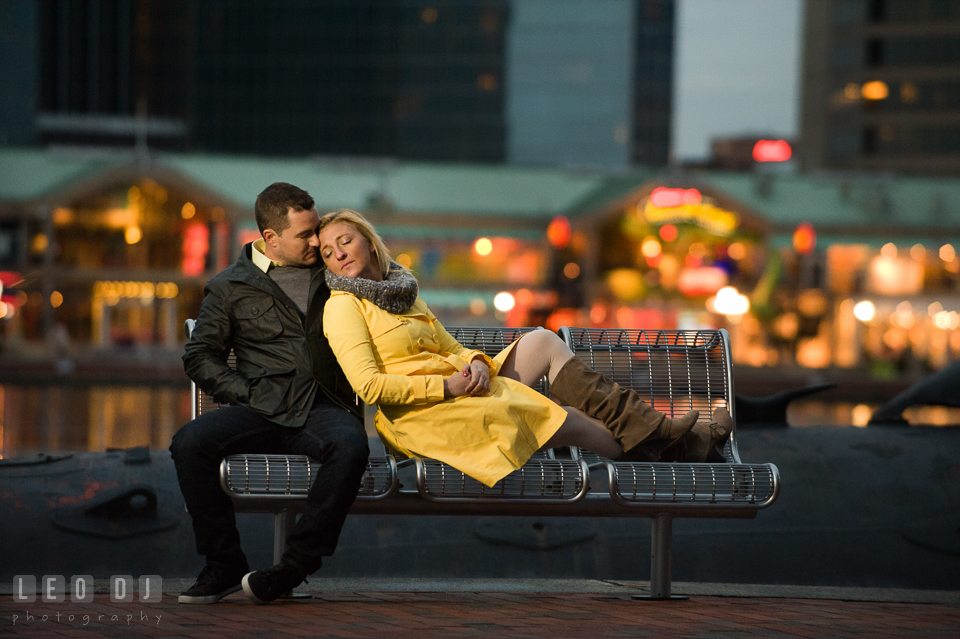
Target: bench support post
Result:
[[661, 537], [283, 523]]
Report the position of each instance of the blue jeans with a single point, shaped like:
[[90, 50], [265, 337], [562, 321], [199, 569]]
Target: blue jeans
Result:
[[331, 436]]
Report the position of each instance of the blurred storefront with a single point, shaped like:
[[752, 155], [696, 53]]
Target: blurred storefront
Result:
[[805, 272], [115, 262], [663, 256], [108, 252]]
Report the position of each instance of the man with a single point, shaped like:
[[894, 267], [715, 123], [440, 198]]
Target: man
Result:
[[287, 395]]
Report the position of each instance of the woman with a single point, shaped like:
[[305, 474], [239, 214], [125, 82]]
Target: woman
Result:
[[438, 399]]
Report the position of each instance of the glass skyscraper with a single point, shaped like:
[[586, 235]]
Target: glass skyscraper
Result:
[[569, 82]]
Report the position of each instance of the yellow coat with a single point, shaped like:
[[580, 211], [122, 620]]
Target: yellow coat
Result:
[[399, 362]]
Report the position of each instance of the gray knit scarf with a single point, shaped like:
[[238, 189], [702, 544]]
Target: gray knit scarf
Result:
[[395, 294]]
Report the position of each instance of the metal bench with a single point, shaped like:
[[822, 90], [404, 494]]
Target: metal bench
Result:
[[675, 371]]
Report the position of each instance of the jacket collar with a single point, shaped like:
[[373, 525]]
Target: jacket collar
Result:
[[259, 256], [248, 272]]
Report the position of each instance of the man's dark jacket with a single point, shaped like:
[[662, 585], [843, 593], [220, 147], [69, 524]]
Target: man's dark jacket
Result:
[[283, 359]]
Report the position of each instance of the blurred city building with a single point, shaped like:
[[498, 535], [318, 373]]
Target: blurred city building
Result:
[[552, 82], [881, 86], [590, 83]]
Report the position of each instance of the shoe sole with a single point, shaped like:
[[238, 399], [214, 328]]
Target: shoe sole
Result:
[[245, 582], [209, 599]]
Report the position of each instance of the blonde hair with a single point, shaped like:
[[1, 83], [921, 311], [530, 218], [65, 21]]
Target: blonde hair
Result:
[[365, 229]]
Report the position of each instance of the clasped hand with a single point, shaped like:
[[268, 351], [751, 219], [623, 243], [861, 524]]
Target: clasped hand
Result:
[[473, 380]]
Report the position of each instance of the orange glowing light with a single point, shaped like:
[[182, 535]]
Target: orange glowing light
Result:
[[804, 238], [525, 297], [772, 151], [559, 232], [875, 90], [663, 197], [625, 317], [133, 234], [39, 243], [598, 313], [561, 317], [668, 232]]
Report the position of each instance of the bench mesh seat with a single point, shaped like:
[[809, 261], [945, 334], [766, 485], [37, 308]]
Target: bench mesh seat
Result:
[[540, 480], [647, 484], [290, 476]]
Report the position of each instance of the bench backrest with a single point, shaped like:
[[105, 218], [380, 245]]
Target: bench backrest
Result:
[[490, 340], [675, 371]]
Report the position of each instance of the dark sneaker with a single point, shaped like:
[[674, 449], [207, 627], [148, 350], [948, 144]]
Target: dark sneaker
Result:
[[264, 586], [214, 583]]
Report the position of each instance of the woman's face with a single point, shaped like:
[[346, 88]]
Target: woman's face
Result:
[[346, 252]]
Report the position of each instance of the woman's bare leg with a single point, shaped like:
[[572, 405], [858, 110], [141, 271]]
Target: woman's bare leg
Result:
[[584, 432], [537, 354]]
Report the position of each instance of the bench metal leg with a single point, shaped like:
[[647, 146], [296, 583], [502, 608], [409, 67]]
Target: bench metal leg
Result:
[[660, 557], [283, 523]]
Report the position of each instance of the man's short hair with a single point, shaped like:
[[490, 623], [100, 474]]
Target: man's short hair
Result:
[[275, 201]]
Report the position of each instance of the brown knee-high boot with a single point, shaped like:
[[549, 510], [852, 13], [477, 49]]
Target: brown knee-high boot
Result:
[[704, 442], [630, 419]]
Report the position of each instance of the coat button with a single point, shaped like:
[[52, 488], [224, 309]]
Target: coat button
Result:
[[420, 342], [254, 310]]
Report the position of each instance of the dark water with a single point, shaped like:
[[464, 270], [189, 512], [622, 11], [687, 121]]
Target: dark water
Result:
[[83, 418], [89, 418]]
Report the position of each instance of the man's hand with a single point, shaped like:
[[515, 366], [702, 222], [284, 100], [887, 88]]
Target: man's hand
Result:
[[473, 380]]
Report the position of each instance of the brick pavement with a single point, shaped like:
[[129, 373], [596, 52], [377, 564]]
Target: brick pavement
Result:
[[483, 614]]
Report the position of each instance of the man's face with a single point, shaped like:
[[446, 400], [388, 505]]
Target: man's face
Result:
[[298, 244]]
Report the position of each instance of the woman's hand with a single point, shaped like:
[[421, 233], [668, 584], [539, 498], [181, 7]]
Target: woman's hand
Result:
[[479, 376], [473, 380]]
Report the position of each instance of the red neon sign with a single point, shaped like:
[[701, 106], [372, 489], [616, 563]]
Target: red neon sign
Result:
[[663, 197], [772, 151], [196, 244]]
